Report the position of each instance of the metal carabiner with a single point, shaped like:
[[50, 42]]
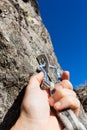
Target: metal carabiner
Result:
[[66, 117]]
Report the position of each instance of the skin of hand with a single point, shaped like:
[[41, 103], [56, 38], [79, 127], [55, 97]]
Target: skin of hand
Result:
[[35, 109]]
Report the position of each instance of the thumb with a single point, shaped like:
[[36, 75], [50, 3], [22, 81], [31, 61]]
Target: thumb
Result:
[[65, 75], [36, 80]]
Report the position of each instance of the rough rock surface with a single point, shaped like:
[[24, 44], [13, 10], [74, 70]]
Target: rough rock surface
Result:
[[82, 95], [22, 38]]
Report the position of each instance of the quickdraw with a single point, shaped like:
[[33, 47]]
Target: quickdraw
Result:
[[67, 117]]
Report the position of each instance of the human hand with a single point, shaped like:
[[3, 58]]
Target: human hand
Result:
[[35, 109], [64, 96], [35, 104]]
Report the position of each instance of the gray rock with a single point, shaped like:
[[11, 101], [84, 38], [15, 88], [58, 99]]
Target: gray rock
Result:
[[22, 38]]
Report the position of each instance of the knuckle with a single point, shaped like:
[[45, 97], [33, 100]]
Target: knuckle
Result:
[[59, 91], [70, 100], [73, 102], [66, 84]]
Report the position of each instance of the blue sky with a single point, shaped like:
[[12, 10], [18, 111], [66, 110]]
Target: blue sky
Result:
[[66, 21]]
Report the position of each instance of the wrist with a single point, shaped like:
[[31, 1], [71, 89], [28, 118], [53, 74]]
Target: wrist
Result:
[[23, 123]]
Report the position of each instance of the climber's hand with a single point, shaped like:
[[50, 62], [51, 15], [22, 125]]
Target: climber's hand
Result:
[[35, 104], [35, 109], [64, 96]]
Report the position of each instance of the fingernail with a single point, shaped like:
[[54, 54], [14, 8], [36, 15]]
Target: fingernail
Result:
[[52, 91], [58, 104]]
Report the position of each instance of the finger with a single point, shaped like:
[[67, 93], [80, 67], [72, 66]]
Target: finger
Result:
[[65, 84], [36, 80], [68, 102], [65, 75], [62, 92]]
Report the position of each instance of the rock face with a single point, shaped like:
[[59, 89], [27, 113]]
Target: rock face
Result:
[[22, 38], [82, 95]]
